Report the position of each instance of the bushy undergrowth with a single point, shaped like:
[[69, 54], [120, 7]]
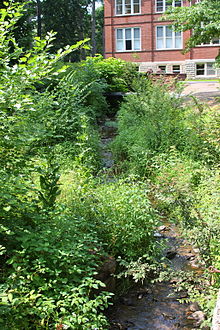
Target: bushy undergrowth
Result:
[[176, 146], [120, 211], [51, 283], [55, 228]]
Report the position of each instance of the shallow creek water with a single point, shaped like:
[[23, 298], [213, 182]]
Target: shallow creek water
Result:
[[154, 306]]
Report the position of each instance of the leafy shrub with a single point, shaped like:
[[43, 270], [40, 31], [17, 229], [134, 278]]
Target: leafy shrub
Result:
[[149, 121], [116, 73], [121, 213], [51, 282]]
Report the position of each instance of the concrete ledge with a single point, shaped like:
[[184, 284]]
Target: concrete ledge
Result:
[[216, 315]]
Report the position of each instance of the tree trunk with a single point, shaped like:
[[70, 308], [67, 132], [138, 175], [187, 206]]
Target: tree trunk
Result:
[[93, 29], [39, 22]]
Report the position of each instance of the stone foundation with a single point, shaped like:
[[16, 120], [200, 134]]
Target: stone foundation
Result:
[[187, 67]]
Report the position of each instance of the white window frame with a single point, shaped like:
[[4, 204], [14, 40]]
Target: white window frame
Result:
[[206, 69], [132, 8], [210, 44], [124, 39], [164, 38], [165, 5]]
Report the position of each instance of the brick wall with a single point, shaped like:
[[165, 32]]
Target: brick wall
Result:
[[147, 21]]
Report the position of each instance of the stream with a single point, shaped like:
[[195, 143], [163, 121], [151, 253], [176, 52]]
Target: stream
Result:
[[156, 306]]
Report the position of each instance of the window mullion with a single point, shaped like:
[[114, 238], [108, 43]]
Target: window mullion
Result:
[[132, 38], [164, 36]]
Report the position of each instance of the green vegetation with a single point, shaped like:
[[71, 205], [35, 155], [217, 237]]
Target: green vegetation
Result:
[[60, 216], [175, 146], [58, 221]]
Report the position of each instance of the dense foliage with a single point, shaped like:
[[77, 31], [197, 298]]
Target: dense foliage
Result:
[[61, 217], [175, 145], [71, 20], [54, 234]]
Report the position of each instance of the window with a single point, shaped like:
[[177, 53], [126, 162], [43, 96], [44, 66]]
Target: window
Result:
[[128, 39], [215, 41], [167, 38], [162, 68], [127, 7], [176, 68], [162, 5], [205, 69]]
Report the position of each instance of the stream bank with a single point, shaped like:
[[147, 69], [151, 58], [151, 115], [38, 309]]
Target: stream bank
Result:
[[157, 305]]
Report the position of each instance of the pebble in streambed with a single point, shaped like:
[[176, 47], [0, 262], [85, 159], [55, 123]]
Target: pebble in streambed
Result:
[[157, 306]]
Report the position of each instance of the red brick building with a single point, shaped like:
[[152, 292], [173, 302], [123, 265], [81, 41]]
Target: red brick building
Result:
[[134, 32]]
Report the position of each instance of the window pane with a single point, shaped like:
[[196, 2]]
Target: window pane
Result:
[[118, 7], [200, 69], [159, 5], [127, 6], [177, 3], [128, 45], [136, 6], [176, 68], [127, 33], [119, 34], [178, 43], [136, 33], [216, 41], [120, 45], [178, 34], [169, 43], [162, 68], [136, 9], [210, 69], [169, 32], [137, 45], [160, 44], [119, 10], [159, 31]]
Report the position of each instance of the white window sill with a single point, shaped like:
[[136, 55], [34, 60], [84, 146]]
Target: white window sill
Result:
[[120, 15], [208, 45], [128, 51], [166, 49]]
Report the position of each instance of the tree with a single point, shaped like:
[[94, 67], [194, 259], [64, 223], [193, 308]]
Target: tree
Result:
[[23, 29], [202, 18], [100, 30], [70, 19]]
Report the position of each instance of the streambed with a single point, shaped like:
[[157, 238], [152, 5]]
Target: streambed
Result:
[[155, 306]]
